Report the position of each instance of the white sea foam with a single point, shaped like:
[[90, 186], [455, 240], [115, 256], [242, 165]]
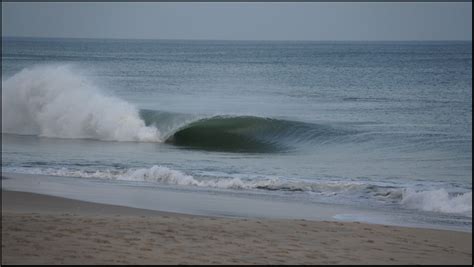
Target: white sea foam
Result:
[[56, 101], [438, 201], [165, 175], [429, 200]]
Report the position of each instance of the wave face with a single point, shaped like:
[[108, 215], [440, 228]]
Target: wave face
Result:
[[56, 101], [249, 134]]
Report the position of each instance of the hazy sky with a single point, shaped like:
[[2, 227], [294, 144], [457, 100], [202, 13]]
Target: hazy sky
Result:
[[241, 21]]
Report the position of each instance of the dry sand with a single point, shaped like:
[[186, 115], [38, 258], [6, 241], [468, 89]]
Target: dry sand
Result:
[[39, 229]]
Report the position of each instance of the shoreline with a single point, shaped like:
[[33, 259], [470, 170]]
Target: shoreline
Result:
[[44, 229]]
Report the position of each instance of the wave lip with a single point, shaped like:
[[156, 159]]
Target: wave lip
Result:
[[56, 101]]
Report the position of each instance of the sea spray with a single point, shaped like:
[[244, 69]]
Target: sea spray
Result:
[[56, 101]]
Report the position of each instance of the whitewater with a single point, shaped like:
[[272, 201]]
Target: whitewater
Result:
[[55, 101]]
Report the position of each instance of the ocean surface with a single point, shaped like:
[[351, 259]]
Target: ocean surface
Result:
[[378, 126]]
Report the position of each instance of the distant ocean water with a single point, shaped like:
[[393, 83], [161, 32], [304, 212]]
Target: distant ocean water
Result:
[[384, 125]]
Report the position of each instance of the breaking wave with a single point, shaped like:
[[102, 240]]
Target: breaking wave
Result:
[[438, 200], [57, 101], [238, 133]]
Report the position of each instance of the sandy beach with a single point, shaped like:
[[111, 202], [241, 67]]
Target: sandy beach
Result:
[[40, 229]]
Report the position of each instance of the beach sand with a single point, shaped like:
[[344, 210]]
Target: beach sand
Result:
[[40, 229]]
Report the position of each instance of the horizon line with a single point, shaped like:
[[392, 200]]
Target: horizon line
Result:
[[244, 40]]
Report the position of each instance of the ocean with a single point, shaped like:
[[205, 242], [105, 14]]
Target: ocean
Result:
[[376, 131]]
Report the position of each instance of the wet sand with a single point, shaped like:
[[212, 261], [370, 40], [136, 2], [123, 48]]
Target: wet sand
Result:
[[40, 229]]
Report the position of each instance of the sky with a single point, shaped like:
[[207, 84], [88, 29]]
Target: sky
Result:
[[241, 21]]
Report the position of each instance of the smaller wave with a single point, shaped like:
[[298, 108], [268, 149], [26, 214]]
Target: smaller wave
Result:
[[167, 176], [164, 175], [429, 200], [438, 201]]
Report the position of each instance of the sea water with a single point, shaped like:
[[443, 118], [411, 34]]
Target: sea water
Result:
[[377, 126]]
